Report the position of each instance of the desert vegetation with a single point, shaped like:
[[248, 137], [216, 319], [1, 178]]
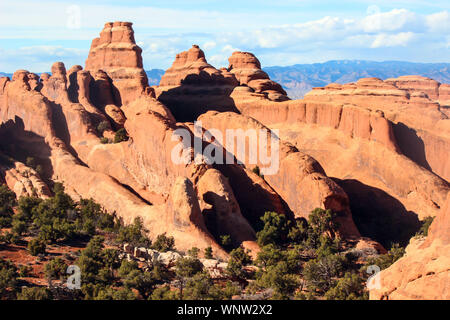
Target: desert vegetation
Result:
[[302, 259]]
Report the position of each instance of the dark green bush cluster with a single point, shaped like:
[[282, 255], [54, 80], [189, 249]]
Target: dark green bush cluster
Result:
[[59, 218], [196, 284], [386, 260], [304, 255], [121, 135], [7, 203], [134, 234], [8, 278], [31, 162]]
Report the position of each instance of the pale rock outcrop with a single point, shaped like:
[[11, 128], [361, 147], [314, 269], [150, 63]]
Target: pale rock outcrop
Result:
[[24, 181]]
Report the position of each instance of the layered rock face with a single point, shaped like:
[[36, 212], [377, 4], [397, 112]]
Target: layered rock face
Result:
[[32, 123], [299, 179], [116, 53], [357, 144], [373, 151], [420, 125], [247, 70], [191, 86]]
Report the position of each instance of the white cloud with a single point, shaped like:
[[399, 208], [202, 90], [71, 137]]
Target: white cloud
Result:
[[209, 45], [439, 22], [162, 33], [40, 58], [395, 20], [392, 40]]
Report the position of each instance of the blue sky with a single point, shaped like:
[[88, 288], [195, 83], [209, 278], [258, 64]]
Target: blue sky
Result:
[[34, 34]]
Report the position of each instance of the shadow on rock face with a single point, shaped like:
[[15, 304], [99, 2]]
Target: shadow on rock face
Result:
[[253, 199], [198, 94], [378, 215], [20, 144], [410, 144]]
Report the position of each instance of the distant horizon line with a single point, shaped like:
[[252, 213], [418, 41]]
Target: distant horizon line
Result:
[[280, 66]]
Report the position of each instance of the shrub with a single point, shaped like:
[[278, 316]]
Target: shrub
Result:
[[201, 287], [19, 227], [104, 140], [327, 246], [25, 208], [5, 222], [320, 273], [55, 268], [426, 223], [225, 240], [271, 255], [238, 259], [92, 216], [8, 276], [322, 221], [164, 243], [350, 287], [121, 135], [193, 252], [7, 201], [103, 126], [275, 230], [109, 293], [278, 278], [164, 293], [25, 271], [299, 232], [187, 267], [385, 260], [9, 238], [36, 247], [134, 234], [91, 261], [51, 216], [126, 267], [34, 293], [208, 253], [143, 281]]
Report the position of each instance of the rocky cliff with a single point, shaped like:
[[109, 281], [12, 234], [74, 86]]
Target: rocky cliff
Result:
[[375, 152]]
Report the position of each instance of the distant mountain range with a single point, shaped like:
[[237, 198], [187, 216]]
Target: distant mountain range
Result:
[[301, 78]]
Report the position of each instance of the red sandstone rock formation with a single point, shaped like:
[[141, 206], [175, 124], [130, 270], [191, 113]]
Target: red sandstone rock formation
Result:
[[299, 180], [191, 67], [247, 70], [191, 86], [355, 142], [421, 127], [116, 53], [424, 271], [28, 119], [365, 135]]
